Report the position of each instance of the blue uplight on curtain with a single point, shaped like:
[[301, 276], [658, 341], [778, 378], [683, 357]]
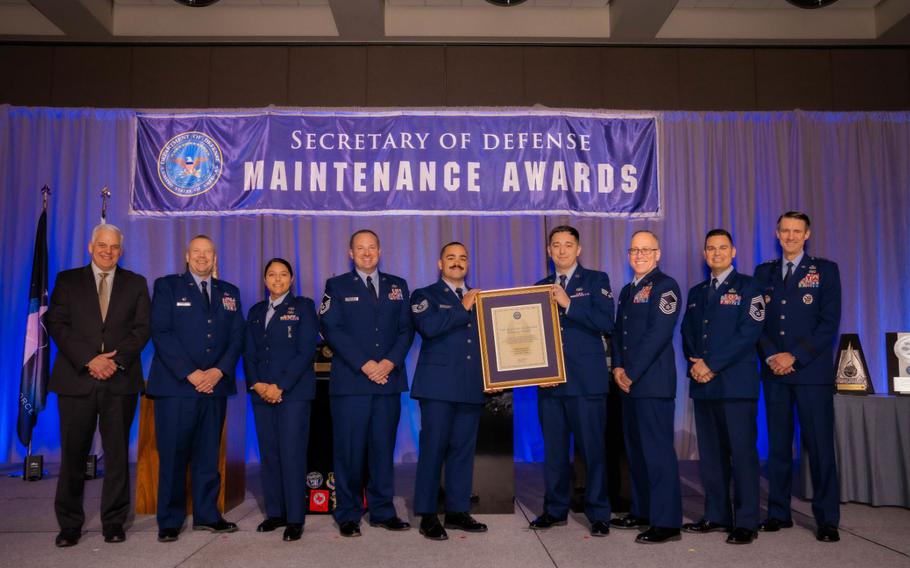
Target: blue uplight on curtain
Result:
[[734, 170]]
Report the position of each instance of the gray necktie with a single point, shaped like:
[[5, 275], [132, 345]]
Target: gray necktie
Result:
[[104, 295]]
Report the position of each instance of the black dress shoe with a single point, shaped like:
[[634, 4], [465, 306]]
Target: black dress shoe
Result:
[[349, 528], [656, 535], [629, 522], [432, 529], [168, 535], [827, 533], [271, 523], [219, 526], [292, 532], [392, 524], [773, 525], [546, 521], [68, 537], [114, 534], [463, 522], [704, 526], [742, 536], [600, 528]]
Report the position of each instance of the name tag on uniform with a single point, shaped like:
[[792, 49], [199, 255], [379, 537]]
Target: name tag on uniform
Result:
[[445, 307], [352, 298], [183, 304]]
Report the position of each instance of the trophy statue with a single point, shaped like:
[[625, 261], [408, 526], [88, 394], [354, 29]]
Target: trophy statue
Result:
[[898, 362], [852, 372]]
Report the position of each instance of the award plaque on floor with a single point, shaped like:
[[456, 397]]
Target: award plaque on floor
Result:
[[852, 372], [897, 349], [520, 338]]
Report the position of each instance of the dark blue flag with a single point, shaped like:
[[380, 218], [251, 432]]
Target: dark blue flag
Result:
[[36, 357]]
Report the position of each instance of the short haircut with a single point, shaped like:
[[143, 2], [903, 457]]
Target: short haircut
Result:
[[795, 215], [564, 229], [719, 233], [646, 232], [442, 251], [204, 237], [106, 227], [361, 232], [277, 260]]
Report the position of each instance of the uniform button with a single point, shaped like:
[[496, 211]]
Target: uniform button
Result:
[[783, 301], [208, 335], [705, 336], [783, 332], [377, 329], [561, 328], [469, 341], [210, 321], [267, 347], [624, 347], [469, 356], [625, 332], [469, 325], [377, 345], [783, 317], [625, 317], [208, 349], [706, 321]]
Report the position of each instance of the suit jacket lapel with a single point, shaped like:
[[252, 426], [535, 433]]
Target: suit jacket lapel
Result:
[[280, 310], [91, 290]]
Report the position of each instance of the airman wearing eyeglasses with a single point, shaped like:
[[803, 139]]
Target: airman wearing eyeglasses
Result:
[[645, 370]]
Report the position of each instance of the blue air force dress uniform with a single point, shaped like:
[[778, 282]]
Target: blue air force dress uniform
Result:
[[722, 326], [643, 346], [448, 382], [803, 319], [280, 348], [191, 331], [360, 325], [579, 406]]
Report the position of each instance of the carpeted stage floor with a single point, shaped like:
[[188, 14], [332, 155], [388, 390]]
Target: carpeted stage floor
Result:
[[870, 537]]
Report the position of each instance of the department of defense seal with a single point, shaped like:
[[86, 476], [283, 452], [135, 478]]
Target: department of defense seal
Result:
[[190, 164]]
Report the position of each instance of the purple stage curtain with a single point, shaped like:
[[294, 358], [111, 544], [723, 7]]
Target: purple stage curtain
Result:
[[849, 171]]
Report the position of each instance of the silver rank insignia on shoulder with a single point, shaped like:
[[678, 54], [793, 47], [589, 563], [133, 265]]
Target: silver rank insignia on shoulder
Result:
[[326, 304], [757, 308], [668, 302], [421, 307]]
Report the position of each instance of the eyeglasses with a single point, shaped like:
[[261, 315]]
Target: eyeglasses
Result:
[[641, 251]]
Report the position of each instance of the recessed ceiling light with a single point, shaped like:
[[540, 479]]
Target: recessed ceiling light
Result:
[[811, 4]]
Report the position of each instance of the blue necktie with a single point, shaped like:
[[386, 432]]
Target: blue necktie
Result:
[[206, 302]]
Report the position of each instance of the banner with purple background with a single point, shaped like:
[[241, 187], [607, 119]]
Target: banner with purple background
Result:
[[396, 162]]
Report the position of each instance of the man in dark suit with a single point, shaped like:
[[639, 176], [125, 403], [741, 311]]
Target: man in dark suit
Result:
[[198, 332], [644, 368], [99, 319], [720, 330], [578, 407], [803, 294], [448, 382], [366, 319]]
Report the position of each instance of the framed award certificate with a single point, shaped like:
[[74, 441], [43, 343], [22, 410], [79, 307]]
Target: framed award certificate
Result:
[[520, 338]]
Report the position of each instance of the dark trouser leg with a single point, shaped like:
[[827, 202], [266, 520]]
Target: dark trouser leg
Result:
[[116, 417]]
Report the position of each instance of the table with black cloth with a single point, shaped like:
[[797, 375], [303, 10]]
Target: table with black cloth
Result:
[[872, 443]]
